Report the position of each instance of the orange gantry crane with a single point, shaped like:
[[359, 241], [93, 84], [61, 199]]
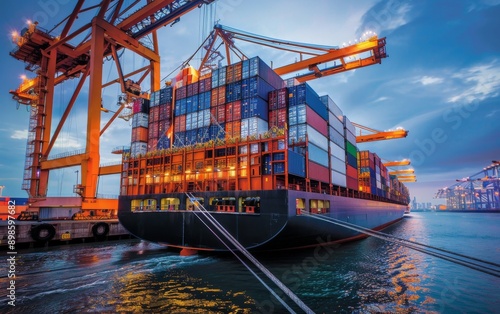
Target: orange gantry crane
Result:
[[114, 27], [67, 52]]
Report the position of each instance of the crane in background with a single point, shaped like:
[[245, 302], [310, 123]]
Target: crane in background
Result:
[[404, 162], [376, 135], [77, 48]]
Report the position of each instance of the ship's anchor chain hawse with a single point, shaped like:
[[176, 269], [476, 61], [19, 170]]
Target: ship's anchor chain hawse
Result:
[[484, 266], [238, 246]]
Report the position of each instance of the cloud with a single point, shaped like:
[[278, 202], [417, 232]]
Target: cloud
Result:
[[380, 99], [493, 113], [480, 82], [429, 80], [386, 16], [20, 134]]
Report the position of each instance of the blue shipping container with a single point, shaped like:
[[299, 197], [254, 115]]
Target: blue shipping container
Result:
[[304, 94], [255, 86], [352, 161], [279, 167], [254, 107], [215, 78], [260, 68], [296, 164], [233, 91]]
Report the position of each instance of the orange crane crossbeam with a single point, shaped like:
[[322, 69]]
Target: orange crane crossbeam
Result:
[[404, 162], [380, 136]]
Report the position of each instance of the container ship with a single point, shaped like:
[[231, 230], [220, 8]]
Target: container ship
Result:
[[263, 155]]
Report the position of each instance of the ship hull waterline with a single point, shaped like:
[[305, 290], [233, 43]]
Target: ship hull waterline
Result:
[[277, 225]]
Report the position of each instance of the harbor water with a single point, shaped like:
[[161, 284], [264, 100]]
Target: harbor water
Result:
[[366, 276]]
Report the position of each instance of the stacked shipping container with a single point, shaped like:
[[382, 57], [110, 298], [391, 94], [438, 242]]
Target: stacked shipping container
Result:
[[247, 99]]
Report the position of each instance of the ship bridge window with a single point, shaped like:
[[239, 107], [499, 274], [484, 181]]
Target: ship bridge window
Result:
[[170, 203], [223, 204], [192, 206], [136, 205], [300, 205], [150, 204], [250, 204], [319, 206]]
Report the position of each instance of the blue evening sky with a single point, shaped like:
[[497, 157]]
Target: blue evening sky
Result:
[[441, 80]]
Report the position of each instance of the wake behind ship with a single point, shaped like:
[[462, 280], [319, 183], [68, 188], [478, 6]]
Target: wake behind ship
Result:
[[262, 155]]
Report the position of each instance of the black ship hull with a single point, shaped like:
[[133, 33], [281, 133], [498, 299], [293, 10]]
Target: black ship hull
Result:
[[276, 222]]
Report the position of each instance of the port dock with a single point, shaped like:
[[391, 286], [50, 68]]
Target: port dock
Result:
[[55, 232]]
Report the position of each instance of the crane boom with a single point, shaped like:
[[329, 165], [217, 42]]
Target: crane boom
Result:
[[405, 162], [378, 135], [346, 58]]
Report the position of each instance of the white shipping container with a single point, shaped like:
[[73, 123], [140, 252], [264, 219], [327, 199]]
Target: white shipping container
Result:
[[339, 179], [350, 137], [337, 138], [337, 151], [291, 82], [140, 119], [194, 121], [317, 138], [206, 117], [292, 115], [348, 125], [335, 122], [253, 126], [332, 107], [189, 121], [301, 114], [337, 164]]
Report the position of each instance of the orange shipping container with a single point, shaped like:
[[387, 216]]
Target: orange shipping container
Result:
[[139, 134]]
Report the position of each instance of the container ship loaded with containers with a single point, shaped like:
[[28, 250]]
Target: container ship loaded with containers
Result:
[[263, 155]]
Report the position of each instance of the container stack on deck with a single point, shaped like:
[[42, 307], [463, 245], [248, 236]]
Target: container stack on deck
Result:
[[140, 124], [245, 100]]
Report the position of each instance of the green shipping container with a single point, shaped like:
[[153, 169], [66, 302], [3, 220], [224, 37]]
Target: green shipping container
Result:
[[351, 149]]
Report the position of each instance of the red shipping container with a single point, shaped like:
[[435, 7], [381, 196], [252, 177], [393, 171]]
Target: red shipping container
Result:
[[153, 130], [316, 121], [318, 172], [351, 172], [229, 112], [221, 95], [152, 142], [282, 98], [237, 71], [205, 85], [214, 97], [273, 100], [180, 123], [181, 92], [273, 118], [137, 106], [237, 110], [182, 126], [154, 114], [230, 74], [352, 183], [196, 88], [165, 112], [282, 115], [221, 114]]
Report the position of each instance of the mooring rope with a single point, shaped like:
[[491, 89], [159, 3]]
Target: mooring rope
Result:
[[249, 256], [424, 248]]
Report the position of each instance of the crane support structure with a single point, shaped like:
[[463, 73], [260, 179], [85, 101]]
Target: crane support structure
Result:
[[70, 54], [400, 172], [378, 135]]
